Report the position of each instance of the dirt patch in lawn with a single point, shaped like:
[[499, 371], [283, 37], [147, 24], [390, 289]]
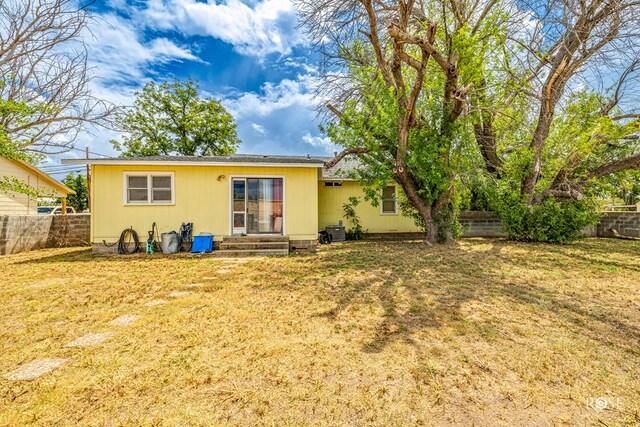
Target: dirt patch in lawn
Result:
[[369, 333]]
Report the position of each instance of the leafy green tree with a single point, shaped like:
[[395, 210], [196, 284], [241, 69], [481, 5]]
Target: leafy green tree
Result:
[[78, 183], [406, 72], [551, 124], [620, 188], [11, 149], [170, 118]]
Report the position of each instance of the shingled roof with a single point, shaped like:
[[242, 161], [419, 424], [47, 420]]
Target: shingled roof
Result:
[[273, 160], [342, 171]]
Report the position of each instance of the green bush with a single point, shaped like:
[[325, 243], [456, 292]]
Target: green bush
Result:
[[551, 221], [349, 213]]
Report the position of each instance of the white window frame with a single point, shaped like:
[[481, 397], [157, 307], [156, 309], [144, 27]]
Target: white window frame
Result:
[[149, 202], [284, 202], [395, 201]]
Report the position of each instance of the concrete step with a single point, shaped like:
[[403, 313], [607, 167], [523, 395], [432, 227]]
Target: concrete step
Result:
[[253, 245], [251, 252], [265, 238]]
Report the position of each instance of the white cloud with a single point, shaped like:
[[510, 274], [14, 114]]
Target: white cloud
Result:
[[258, 128], [286, 112], [117, 53], [120, 62], [272, 97], [325, 144], [257, 29]]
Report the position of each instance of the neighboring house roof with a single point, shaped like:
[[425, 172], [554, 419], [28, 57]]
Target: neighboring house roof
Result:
[[49, 180], [232, 160], [342, 171]]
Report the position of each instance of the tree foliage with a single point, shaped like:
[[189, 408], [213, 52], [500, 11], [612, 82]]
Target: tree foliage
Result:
[[170, 118], [544, 90], [557, 116], [11, 185], [45, 99], [78, 183], [405, 72]]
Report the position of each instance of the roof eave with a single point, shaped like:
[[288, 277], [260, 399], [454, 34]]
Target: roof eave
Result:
[[53, 182], [186, 163]]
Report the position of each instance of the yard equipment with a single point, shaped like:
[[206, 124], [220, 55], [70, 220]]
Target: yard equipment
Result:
[[151, 242], [186, 228], [324, 237], [202, 243], [170, 242], [128, 242]]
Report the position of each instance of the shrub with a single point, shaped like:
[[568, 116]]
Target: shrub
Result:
[[552, 221], [349, 213]]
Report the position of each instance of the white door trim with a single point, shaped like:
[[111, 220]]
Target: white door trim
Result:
[[284, 201], [238, 230]]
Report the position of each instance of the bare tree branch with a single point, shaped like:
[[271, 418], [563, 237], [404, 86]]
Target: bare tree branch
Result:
[[43, 67], [632, 162], [341, 155]]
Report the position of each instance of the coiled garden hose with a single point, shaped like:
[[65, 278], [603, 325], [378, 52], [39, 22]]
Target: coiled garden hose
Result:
[[124, 242]]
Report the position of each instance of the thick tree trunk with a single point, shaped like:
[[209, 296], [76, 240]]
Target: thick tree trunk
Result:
[[438, 222]]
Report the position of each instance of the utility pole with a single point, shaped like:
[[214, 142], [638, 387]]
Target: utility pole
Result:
[[88, 179]]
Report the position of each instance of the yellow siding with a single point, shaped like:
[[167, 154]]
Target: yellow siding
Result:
[[199, 198], [21, 204], [331, 199]]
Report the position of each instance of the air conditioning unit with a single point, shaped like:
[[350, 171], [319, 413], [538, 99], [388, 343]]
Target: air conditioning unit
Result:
[[338, 233]]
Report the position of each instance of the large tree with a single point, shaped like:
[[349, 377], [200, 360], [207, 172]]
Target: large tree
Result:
[[570, 114], [45, 99], [398, 79], [79, 184], [171, 118]]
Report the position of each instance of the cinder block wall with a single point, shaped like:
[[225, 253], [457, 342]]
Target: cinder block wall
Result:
[[487, 224], [625, 223], [29, 232], [481, 224]]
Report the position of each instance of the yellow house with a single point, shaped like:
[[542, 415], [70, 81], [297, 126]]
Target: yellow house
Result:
[[23, 204], [292, 197]]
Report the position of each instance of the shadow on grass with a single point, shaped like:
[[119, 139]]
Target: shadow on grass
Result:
[[438, 281], [86, 255]]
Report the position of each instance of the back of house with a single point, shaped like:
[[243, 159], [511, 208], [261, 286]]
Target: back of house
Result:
[[238, 195]]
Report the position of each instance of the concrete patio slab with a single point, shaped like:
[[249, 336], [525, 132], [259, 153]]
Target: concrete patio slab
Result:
[[176, 294], [124, 320], [32, 370], [156, 302], [90, 340]]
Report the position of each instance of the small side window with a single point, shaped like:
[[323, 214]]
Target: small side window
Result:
[[389, 203], [137, 189], [148, 188]]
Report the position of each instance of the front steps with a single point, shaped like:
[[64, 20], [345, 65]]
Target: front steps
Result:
[[253, 245]]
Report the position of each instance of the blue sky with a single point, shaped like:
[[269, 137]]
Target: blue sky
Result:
[[248, 54]]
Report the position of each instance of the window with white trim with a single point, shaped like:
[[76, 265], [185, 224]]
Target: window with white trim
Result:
[[149, 188], [389, 203]]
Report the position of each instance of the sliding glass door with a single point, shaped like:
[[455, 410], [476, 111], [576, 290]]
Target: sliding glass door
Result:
[[262, 199], [239, 206]]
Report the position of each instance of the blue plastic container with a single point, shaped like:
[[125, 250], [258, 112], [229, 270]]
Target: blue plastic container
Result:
[[202, 244]]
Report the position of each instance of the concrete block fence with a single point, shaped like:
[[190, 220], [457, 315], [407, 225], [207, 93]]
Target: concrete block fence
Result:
[[625, 223], [25, 233], [29, 232]]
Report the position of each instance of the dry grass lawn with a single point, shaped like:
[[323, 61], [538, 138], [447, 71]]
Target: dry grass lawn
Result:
[[487, 333]]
